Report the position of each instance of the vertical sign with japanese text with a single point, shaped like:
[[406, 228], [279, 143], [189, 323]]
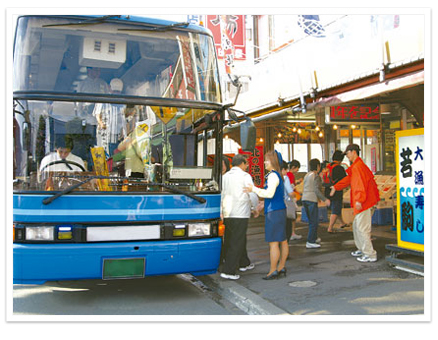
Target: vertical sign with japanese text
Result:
[[229, 37], [256, 165], [410, 188], [189, 79]]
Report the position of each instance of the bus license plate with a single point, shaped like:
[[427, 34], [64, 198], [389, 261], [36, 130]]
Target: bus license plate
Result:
[[123, 268]]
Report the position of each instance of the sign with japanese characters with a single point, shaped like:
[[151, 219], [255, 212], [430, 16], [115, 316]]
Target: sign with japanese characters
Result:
[[229, 37], [189, 78], [256, 165], [410, 188], [353, 113]]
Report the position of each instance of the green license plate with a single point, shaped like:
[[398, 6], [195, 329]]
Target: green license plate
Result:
[[123, 268]]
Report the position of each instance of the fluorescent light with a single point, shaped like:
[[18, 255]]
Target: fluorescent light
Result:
[[301, 120]]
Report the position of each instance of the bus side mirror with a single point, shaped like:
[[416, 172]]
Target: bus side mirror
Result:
[[247, 130], [248, 135]]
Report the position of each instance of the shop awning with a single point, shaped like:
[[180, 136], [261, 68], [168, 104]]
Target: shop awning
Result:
[[369, 91]]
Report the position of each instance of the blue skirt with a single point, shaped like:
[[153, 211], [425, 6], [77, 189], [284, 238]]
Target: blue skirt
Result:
[[275, 226]]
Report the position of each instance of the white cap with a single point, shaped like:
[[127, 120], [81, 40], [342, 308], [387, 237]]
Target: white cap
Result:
[[116, 84]]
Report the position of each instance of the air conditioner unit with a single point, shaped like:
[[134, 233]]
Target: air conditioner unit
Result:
[[103, 53]]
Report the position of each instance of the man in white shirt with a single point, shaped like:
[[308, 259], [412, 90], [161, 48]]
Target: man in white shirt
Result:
[[110, 120], [236, 211], [61, 159], [93, 83]]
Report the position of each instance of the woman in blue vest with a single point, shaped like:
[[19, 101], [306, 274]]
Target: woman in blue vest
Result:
[[275, 215]]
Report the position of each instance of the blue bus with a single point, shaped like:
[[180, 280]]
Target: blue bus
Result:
[[113, 116]]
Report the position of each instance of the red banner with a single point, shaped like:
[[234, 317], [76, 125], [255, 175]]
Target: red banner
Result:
[[229, 37], [256, 165], [187, 64]]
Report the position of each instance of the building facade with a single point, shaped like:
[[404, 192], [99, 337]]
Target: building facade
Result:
[[315, 83]]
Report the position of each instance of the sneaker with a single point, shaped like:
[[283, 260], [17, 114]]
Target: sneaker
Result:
[[248, 267], [312, 245], [356, 253], [296, 237], [318, 240], [366, 258], [230, 277]]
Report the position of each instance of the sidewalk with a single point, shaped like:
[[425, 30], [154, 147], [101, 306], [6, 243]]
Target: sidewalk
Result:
[[326, 280]]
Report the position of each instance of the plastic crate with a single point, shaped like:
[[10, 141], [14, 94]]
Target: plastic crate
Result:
[[322, 214], [383, 216]]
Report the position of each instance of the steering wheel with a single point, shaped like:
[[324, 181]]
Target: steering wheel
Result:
[[63, 161]]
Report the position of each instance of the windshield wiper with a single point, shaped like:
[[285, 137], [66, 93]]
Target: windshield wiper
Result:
[[91, 21], [69, 189], [157, 28]]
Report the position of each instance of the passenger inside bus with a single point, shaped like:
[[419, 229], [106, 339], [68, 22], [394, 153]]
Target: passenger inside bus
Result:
[[93, 83], [135, 148], [111, 125]]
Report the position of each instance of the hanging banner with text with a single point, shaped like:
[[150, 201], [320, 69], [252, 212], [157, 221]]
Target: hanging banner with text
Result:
[[229, 37], [410, 188], [256, 165]]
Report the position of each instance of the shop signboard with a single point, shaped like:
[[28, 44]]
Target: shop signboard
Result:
[[410, 188], [348, 114], [256, 165]]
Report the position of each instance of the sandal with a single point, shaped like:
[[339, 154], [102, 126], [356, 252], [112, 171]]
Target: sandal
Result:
[[344, 225], [331, 231]]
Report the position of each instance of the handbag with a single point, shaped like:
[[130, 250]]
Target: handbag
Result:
[[291, 211]]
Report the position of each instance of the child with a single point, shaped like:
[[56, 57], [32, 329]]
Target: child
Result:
[[311, 194]]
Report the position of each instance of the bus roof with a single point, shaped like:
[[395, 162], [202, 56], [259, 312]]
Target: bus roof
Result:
[[139, 20]]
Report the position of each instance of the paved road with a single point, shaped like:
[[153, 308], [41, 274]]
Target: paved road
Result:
[[328, 280], [163, 295]]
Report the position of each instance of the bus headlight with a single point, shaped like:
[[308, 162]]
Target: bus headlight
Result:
[[199, 229], [40, 233]]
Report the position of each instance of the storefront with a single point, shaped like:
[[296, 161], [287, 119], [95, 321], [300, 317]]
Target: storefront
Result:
[[366, 112], [369, 113]]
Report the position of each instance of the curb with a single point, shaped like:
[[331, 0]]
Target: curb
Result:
[[243, 298]]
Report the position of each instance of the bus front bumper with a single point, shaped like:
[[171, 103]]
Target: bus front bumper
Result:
[[38, 263]]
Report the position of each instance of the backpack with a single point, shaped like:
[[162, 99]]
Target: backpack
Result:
[[327, 178]]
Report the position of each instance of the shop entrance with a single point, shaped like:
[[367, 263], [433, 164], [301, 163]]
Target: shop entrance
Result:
[[367, 137]]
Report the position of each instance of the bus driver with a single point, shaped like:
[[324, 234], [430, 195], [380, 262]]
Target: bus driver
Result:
[[62, 159]]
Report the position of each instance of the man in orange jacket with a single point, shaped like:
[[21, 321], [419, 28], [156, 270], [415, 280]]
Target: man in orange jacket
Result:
[[364, 196]]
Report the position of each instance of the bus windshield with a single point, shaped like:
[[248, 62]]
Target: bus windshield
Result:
[[52, 54], [128, 107]]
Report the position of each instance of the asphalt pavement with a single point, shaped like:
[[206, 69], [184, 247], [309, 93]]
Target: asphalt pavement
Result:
[[323, 281]]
